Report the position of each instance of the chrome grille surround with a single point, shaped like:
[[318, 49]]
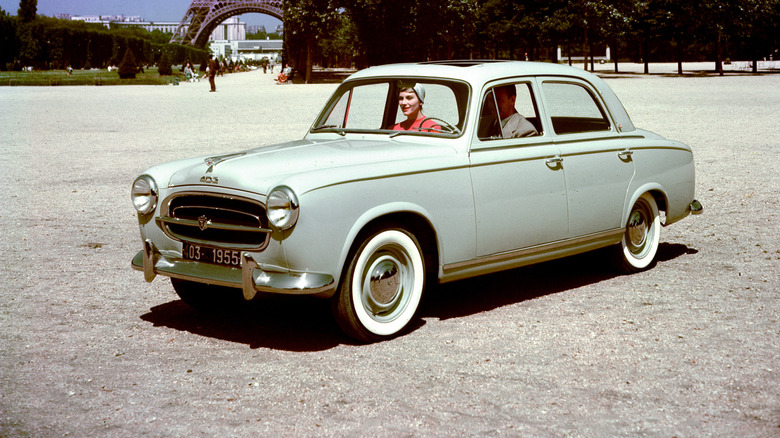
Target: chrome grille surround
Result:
[[218, 220]]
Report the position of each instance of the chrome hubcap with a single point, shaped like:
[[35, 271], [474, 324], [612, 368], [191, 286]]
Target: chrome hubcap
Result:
[[638, 229], [385, 283]]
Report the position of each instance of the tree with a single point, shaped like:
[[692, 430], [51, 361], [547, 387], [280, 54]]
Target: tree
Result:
[[674, 26], [306, 22], [459, 28], [758, 31], [438, 29], [558, 25], [28, 44], [28, 10], [614, 22], [164, 66], [8, 40], [128, 67]]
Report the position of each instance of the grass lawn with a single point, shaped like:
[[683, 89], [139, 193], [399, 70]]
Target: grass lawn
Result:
[[86, 77]]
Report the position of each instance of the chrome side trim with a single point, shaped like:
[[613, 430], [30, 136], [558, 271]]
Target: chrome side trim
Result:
[[527, 256], [250, 277]]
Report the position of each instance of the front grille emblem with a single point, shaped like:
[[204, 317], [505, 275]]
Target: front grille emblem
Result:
[[203, 222]]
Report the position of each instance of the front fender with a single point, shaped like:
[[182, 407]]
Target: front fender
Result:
[[380, 211], [331, 218]]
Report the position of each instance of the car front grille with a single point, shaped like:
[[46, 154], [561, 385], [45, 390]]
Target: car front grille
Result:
[[218, 220]]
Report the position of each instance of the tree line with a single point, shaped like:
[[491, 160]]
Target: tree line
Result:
[[371, 32], [49, 43]]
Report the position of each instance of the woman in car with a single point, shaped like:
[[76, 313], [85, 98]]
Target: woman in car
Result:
[[410, 101]]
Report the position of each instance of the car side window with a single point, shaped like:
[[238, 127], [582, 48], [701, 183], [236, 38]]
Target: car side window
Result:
[[509, 111], [573, 108]]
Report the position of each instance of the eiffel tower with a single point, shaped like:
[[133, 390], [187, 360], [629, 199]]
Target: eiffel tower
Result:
[[203, 16]]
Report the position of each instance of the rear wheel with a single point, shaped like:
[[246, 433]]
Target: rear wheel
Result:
[[382, 287], [641, 237], [207, 298]]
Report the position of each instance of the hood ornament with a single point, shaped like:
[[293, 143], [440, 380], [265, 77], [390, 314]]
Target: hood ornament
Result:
[[213, 161]]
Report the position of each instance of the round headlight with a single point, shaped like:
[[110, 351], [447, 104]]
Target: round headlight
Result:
[[144, 194], [282, 208]]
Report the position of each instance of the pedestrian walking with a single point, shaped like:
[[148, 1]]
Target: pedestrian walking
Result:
[[213, 67]]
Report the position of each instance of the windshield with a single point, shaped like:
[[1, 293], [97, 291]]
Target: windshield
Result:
[[397, 106]]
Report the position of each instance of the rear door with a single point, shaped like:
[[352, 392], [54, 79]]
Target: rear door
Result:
[[597, 165]]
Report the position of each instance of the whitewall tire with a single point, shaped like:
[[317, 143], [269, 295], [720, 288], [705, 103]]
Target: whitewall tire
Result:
[[640, 241], [382, 287]]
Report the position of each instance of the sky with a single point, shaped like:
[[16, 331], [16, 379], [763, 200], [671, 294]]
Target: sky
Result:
[[149, 10]]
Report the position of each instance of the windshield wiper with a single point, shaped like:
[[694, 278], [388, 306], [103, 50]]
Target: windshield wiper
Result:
[[330, 128]]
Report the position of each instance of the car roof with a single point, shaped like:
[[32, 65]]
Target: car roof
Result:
[[480, 72], [473, 71]]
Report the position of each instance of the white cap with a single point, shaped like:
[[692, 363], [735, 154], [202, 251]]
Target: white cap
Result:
[[420, 91]]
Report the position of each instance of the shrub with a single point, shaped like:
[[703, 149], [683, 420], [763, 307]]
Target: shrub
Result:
[[164, 66], [127, 67]]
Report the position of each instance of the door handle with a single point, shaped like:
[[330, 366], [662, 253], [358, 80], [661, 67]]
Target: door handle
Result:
[[626, 154], [554, 160]]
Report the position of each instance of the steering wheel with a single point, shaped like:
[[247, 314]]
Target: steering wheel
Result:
[[445, 126]]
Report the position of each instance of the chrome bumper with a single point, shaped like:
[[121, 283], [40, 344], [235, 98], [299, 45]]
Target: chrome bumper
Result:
[[250, 277]]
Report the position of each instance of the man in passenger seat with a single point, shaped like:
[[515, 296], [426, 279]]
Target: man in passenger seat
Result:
[[512, 123]]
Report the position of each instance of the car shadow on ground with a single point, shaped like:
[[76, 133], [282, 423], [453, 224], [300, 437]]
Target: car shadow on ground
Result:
[[292, 323], [301, 323], [488, 292]]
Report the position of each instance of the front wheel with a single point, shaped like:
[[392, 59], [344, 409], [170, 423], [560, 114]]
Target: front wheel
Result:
[[382, 287], [641, 237]]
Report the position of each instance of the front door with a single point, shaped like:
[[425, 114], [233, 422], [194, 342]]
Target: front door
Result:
[[518, 182]]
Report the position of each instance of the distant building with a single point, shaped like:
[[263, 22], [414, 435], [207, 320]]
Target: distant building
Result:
[[230, 29], [163, 26], [247, 50], [255, 28]]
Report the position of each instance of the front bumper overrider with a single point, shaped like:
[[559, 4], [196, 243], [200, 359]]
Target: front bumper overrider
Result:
[[251, 277]]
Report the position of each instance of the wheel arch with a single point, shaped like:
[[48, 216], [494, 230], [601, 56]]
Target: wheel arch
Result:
[[408, 217], [656, 191]]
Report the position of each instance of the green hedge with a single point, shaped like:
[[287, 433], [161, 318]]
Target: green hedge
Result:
[[49, 43]]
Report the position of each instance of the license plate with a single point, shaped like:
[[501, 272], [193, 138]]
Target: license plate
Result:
[[208, 254]]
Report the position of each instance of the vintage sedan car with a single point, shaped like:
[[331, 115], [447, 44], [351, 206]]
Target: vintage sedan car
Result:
[[369, 216]]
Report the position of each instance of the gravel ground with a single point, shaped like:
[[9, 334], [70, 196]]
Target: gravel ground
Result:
[[566, 348]]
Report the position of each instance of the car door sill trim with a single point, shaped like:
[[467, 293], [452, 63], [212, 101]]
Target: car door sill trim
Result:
[[529, 255]]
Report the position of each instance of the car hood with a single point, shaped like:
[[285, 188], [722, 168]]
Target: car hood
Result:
[[311, 163]]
